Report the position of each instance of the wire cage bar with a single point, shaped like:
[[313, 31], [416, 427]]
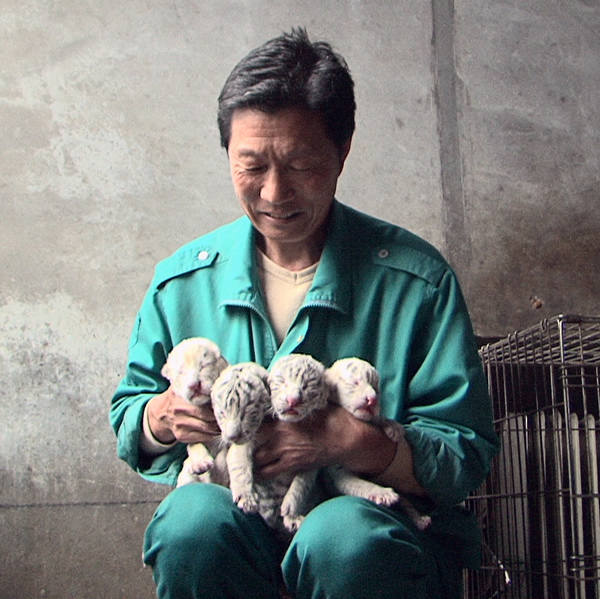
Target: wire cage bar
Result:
[[539, 509]]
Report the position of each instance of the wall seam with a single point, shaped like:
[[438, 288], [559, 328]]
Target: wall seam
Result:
[[456, 238]]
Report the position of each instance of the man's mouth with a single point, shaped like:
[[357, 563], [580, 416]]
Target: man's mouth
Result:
[[283, 216]]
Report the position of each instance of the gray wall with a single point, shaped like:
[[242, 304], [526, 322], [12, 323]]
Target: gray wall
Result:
[[478, 128]]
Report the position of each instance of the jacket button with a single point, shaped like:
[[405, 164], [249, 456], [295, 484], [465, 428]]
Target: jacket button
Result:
[[203, 255], [383, 253]]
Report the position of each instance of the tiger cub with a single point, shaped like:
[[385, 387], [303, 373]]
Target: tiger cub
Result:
[[240, 400], [354, 385], [192, 367], [298, 389]]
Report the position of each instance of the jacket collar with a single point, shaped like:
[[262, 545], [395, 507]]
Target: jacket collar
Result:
[[241, 276], [331, 287]]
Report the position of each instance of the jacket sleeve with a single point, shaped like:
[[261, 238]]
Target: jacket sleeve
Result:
[[149, 345], [449, 417]]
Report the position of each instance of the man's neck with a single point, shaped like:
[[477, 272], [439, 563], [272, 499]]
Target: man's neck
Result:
[[289, 256]]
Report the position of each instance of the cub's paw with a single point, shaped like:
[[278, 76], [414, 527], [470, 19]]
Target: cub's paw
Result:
[[289, 511], [199, 458], [292, 523], [384, 496], [247, 502], [199, 464], [289, 506], [422, 522], [186, 477]]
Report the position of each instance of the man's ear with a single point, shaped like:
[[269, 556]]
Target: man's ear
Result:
[[344, 151]]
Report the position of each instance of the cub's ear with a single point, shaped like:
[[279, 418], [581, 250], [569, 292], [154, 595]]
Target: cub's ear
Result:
[[222, 364], [166, 371], [259, 371]]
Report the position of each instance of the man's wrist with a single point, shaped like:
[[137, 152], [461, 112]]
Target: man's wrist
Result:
[[399, 472], [149, 443], [371, 451], [162, 434]]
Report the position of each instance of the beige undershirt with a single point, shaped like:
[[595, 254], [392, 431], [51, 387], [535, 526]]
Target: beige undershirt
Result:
[[284, 291]]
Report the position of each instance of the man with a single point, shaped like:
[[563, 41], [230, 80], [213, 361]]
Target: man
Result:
[[302, 273]]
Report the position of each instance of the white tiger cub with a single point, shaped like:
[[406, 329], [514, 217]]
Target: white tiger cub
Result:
[[354, 385], [240, 400], [298, 389], [192, 367]]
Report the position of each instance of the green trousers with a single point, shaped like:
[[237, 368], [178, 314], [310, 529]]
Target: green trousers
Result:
[[200, 544]]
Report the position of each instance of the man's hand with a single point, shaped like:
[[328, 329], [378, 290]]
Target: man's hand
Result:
[[173, 418], [331, 436]]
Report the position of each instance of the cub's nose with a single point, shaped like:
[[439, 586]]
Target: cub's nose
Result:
[[293, 400]]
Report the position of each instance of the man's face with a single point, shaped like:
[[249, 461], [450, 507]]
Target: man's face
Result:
[[284, 170]]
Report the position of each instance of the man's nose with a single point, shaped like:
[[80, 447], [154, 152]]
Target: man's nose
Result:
[[276, 186]]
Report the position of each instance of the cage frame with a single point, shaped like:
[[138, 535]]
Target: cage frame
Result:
[[544, 382]]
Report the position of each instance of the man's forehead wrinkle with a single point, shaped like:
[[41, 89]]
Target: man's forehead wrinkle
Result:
[[281, 150]]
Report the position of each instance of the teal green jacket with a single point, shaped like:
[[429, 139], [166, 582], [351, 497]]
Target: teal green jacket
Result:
[[380, 293]]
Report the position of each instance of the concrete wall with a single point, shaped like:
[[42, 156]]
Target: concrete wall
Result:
[[478, 128], [527, 80]]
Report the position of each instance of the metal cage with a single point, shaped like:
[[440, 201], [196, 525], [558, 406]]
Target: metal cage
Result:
[[539, 509]]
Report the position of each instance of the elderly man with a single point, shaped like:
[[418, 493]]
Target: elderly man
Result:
[[302, 273]]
